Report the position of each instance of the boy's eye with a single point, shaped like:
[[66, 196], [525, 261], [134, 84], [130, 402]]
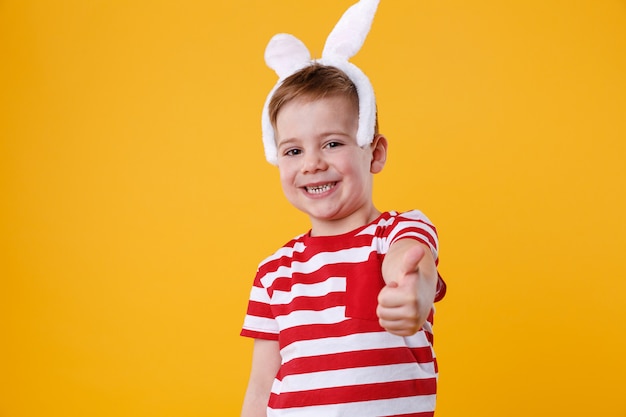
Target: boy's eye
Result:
[[293, 152], [333, 144]]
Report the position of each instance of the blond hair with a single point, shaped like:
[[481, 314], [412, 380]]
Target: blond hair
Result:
[[314, 82]]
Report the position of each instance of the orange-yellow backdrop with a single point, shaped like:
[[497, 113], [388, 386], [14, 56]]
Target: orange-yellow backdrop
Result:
[[136, 203]]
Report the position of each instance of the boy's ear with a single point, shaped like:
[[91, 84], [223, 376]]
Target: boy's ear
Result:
[[379, 154]]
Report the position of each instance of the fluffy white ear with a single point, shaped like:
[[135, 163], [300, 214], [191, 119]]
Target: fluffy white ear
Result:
[[350, 31], [285, 54]]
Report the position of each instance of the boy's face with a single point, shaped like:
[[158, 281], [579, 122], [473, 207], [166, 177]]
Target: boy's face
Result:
[[323, 171]]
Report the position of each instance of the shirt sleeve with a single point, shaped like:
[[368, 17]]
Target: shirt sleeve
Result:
[[259, 321], [415, 225]]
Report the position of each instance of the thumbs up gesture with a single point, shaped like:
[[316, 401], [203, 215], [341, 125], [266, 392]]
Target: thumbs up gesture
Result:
[[410, 275]]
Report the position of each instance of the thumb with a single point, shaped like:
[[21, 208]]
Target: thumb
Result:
[[410, 264]]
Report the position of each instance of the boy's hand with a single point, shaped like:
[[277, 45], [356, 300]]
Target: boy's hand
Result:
[[405, 302]]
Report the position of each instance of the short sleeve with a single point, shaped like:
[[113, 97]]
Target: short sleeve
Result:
[[415, 225], [259, 322]]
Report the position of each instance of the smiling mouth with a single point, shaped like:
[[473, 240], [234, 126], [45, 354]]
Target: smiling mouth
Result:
[[319, 189]]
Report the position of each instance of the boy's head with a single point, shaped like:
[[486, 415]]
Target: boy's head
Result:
[[301, 77], [314, 82], [324, 171]]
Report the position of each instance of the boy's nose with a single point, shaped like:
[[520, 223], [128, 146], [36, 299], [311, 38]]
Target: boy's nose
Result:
[[313, 162]]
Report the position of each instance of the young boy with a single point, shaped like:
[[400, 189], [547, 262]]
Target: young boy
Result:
[[342, 315]]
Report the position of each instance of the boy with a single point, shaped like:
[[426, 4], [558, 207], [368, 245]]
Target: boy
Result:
[[342, 315]]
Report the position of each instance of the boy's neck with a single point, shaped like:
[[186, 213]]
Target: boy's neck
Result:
[[342, 226]]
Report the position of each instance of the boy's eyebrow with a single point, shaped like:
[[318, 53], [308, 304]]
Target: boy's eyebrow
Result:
[[283, 142], [289, 141], [336, 134]]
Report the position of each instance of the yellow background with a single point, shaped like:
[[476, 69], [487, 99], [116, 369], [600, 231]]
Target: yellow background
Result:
[[136, 202]]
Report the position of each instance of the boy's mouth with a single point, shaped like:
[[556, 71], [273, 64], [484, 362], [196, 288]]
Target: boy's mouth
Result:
[[319, 189]]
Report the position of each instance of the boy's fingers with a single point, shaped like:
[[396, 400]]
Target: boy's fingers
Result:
[[391, 315], [391, 296], [397, 324]]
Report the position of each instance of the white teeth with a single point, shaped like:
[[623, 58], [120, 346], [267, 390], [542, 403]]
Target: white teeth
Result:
[[320, 188]]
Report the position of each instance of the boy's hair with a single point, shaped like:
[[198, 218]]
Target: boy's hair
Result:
[[314, 82]]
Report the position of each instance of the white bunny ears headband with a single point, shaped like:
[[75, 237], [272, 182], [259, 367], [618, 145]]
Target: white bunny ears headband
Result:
[[286, 55]]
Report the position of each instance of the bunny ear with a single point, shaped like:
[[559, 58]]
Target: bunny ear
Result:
[[351, 30], [286, 53]]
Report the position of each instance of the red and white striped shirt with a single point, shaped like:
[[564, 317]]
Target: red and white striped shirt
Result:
[[317, 296]]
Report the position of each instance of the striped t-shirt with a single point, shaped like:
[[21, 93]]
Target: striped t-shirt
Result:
[[317, 296]]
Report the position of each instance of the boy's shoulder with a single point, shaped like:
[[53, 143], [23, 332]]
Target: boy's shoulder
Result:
[[392, 218], [287, 250], [383, 225]]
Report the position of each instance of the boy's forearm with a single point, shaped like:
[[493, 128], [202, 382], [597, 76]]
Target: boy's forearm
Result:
[[265, 364], [254, 403]]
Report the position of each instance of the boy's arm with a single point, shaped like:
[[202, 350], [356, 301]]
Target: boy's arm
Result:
[[411, 278], [265, 364]]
